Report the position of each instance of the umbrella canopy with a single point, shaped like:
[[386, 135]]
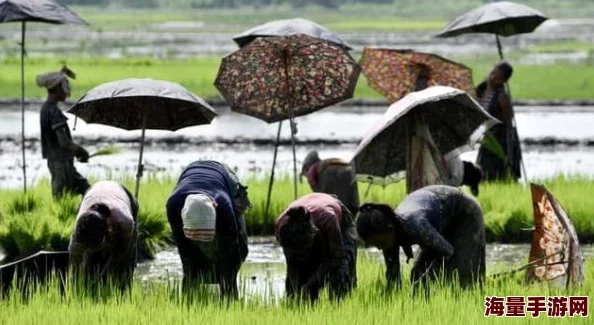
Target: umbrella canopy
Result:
[[395, 73], [281, 77], [555, 254], [456, 123], [502, 18], [288, 27], [43, 11], [124, 104], [133, 104]]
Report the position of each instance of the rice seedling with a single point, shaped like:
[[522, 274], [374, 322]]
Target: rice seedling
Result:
[[507, 210], [161, 303]]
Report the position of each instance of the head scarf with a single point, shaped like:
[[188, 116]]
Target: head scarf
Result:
[[199, 218], [50, 80]]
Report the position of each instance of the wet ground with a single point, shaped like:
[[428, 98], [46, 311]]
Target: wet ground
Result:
[[263, 273], [556, 140], [194, 38]]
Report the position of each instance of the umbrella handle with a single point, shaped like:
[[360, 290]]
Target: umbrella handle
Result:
[[499, 48], [23, 145]]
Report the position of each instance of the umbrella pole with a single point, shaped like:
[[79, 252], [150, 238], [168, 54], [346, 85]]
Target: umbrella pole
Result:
[[140, 165], [23, 27], [499, 48], [294, 159], [280, 124], [291, 120]]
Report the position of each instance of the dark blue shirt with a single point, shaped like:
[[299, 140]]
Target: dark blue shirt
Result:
[[210, 178], [425, 213], [52, 118]]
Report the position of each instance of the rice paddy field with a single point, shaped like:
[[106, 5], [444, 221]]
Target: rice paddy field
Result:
[[33, 221], [159, 303], [564, 81]]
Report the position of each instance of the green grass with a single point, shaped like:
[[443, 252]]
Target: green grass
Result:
[[544, 82], [47, 225], [156, 303], [563, 47]]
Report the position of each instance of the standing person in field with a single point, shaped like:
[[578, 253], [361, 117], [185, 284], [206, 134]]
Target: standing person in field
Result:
[[497, 102], [332, 176], [205, 212], [447, 225], [317, 234], [103, 243], [56, 142]]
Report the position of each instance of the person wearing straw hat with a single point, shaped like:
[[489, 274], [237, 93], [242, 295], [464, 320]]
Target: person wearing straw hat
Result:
[[205, 212], [332, 176], [446, 223], [56, 141], [103, 244], [317, 234]]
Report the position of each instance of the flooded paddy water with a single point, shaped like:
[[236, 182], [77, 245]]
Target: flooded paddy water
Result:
[[557, 140], [263, 274]]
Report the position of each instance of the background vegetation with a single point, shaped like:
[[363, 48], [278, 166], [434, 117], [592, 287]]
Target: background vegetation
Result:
[[563, 80]]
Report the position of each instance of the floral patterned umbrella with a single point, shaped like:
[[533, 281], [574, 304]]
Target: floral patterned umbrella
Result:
[[555, 254], [395, 73], [282, 77], [455, 121], [277, 78]]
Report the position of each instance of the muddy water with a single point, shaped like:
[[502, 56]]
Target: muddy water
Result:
[[263, 274], [246, 143]]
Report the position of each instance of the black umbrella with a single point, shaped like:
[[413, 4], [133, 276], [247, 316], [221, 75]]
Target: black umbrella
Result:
[[290, 27], [500, 18], [140, 104], [43, 11]]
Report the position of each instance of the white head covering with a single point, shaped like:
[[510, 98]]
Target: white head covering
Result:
[[199, 218], [51, 80]]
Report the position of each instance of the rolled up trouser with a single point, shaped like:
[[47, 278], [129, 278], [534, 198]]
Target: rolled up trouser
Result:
[[65, 178]]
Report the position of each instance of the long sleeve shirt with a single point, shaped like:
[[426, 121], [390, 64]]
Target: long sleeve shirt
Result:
[[210, 178]]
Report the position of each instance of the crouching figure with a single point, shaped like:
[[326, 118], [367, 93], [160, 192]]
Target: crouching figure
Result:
[[318, 237], [103, 245], [205, 212], [447, 225]]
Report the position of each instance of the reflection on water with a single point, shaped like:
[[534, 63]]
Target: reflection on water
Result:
[[263, 274]]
